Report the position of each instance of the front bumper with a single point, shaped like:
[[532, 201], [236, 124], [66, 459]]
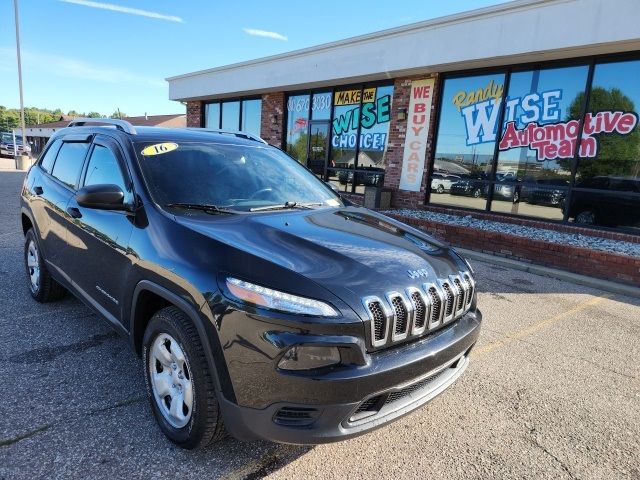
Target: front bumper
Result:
[[351, 401]]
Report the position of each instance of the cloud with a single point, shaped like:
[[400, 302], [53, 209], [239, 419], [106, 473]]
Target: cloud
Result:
[[130, 11], [265, 33], [66, 67]]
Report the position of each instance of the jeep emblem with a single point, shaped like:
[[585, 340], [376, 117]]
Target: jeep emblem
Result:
[[423, 272]]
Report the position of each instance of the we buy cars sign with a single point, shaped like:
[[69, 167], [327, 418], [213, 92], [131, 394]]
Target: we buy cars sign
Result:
[[415, 145]]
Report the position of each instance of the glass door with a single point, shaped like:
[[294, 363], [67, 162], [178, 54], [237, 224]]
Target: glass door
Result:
[[318, 147]]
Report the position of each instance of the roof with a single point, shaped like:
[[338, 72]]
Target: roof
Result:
[[520, 31]]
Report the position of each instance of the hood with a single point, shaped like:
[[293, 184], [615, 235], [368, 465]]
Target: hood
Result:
[[350, 251]]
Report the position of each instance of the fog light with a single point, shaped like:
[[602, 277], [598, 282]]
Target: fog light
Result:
[[309, 357]]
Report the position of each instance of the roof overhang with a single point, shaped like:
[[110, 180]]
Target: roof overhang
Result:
[[521, 31]]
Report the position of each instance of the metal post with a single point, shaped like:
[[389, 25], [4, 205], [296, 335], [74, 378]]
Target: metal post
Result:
[[22, 124]]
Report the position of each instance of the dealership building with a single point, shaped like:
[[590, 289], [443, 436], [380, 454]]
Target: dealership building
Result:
[[524, 113]]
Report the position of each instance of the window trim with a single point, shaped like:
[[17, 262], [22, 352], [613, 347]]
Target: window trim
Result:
[[79, 177], [116, 149]]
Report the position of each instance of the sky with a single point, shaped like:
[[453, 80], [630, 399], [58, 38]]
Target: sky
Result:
[[102, 56]]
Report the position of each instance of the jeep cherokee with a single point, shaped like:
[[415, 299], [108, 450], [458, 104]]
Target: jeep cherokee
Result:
[[261, 302]]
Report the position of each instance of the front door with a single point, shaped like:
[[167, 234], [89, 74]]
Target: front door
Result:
[[318, 147], [99, 239]]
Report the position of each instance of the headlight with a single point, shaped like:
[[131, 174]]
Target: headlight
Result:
[[276, 300], [309, 357]]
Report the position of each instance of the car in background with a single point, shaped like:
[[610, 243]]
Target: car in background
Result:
[[507, 187], [608, 202], [442, 182], [545, 191], [7, 146], [469, 186]]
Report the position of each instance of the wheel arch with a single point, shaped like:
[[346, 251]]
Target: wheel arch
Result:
[[148, 298]]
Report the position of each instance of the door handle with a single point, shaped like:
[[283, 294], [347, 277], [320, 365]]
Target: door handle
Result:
[[74, 212], [38, 190]]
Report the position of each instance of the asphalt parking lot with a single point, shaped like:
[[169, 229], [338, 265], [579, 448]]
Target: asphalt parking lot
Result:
[[553, 391]]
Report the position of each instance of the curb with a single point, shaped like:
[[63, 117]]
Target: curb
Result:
[[606, 285]]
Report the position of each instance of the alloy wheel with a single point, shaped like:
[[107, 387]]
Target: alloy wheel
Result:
[[171, 381], [33, 266]]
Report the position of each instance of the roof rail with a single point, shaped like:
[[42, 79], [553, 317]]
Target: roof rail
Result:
[[237, 133], [121, 125]]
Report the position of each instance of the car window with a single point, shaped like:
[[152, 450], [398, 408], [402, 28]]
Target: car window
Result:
[[47, 161], [103, 168], [69, 162]]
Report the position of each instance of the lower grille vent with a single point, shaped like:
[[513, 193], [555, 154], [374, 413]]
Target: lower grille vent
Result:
[[296, 416]]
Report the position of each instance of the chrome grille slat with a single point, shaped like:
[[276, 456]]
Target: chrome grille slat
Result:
[[415, 311]]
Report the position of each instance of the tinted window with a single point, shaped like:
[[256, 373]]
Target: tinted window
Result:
[[69, 163], [103, 168], [47, 161]]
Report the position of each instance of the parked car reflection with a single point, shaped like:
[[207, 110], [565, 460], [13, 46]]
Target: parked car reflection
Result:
[[441, 182], [616, 205]]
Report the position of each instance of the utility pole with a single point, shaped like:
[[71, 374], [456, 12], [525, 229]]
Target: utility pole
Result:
[[22, 125]]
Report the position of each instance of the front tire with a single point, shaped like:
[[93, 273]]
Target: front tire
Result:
[[42, 286], [179, 384], [440, 189]]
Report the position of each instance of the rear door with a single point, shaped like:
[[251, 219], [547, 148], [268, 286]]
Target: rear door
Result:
[[54, 187], [99, 239]]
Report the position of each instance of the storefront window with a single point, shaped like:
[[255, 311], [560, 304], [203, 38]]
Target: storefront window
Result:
[[344, 130], [374, 133], [609, 155], [212, 115], [230, 115], [466, 140], [298, 126], [251, 116], [321, 106], [537, 147]]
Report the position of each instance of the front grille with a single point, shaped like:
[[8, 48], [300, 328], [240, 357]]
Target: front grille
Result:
[[417, 311], [448, 300], [436, 303], [379, 320], [402, 316], [420, 314]]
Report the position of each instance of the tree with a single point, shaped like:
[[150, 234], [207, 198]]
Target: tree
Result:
[[94, 115], [118, 114], [617, 154]]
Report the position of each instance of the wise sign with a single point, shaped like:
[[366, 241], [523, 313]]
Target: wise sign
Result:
[[415, 145]]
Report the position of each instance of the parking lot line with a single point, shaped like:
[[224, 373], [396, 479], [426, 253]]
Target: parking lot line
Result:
[[537, 327]]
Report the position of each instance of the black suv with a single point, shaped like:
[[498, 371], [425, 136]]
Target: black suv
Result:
[[257, 297]]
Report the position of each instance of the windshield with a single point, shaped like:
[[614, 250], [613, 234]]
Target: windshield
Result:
[[223, 176]]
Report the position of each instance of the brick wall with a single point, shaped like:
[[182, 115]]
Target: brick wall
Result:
[[593, 263], [194, 114], [273, 108], [395, 149]]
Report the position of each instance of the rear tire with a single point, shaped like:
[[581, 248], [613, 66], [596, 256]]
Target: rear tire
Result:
[[176, 370], [42, 286], [440, 189]]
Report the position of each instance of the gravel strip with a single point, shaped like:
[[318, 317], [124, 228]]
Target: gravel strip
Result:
[[595, 243]]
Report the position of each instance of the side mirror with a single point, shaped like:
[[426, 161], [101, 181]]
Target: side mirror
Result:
[[101, 197]]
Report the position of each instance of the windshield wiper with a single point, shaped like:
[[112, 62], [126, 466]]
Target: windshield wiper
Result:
[[286, 205], [205, 207]]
